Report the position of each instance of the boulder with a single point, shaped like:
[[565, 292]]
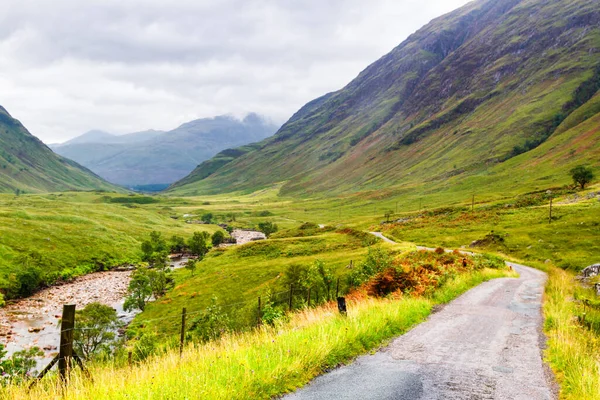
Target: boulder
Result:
[[591, 271]]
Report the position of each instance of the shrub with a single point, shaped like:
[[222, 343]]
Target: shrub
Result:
[[582, 175]]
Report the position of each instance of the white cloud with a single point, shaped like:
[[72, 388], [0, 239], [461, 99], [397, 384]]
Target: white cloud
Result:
[[69, 66]]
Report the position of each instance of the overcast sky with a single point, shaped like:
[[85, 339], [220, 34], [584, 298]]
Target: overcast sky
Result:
[[69, 66]]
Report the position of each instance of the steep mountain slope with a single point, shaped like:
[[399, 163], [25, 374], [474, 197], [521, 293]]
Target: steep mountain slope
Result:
[[26, 164], [152, 157], [459, 98]]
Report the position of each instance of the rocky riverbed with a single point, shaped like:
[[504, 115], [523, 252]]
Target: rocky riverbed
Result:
[[34, 321]]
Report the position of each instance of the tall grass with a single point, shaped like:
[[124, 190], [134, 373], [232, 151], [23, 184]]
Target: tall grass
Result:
[[573, 350], [263, 363]]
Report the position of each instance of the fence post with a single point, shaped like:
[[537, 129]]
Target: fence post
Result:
[[291, 295], [259, 312], [182, 338], [308, 297], [66, 341], [341, 301], [130, 358]]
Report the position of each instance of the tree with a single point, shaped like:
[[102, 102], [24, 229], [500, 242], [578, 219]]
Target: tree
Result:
[[95, 327], [159, 282], [177, 244], [212, 323], [154, 250], [387, 215], [20, 365], [191, 266], [326, 277], [582, 175], [207, 218], [197, 244], [139, 291], [217, 238], [267, 228]]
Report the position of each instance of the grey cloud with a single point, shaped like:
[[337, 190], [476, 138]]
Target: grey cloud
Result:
[[125, 65]]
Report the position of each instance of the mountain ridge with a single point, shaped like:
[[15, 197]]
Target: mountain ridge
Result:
[[164, 157], [471, 89], [28, 165]]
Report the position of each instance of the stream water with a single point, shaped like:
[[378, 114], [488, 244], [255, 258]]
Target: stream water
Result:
[[33, 321]]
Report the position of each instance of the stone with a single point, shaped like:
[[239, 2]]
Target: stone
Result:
[[591, 271], [597, 287]]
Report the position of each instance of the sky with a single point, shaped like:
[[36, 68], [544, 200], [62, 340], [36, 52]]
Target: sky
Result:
[[70, 66]]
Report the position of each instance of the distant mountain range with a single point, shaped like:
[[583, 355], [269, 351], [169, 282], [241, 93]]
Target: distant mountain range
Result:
[[155, 159], [498, 94], [28, 165]]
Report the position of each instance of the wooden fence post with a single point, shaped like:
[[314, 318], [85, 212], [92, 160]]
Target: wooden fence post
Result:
[[182, 337], [341, 301], [65, 354]]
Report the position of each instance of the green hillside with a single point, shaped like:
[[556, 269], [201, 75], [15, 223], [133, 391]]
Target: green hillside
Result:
[[27, 165], [492, 87]]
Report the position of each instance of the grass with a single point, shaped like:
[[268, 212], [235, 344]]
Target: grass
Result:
[[573, 349], [76, 233], [265, 362]]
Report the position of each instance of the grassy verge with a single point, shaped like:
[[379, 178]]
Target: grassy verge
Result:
[[264, 362], [573, 350]]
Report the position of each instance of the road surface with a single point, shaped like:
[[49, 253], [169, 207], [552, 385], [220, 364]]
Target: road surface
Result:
[[484, 345]]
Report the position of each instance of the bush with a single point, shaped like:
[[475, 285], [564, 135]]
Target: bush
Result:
[[217, 238]]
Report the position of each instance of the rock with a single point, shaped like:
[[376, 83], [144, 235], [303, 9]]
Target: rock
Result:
[[35, 329], [591, 271], [597, 287], [547, 261], [50, 348]]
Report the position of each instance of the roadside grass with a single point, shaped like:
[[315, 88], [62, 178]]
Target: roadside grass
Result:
[[573, 349], [237, 276], [262, 363]]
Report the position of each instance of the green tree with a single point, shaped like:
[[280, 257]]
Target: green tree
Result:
[[207, 218], [139, 291], [217, 238], [197, 244], [19, 366], [212, 323], [191, 266], [155, 250], [267, 227], [326, 277], [160, 282], [95, 329], [582, 175], [177, 244]]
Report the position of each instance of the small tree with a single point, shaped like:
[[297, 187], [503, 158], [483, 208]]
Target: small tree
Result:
[[177, 244], [139, 291], [20, 365], [326, 277], [95, 327], [212, 323], [582, 175], [159, 282], [191, 266], [387, 215], [154, 250], [197, 244], [207, 218], [267, 228], [217, 238]]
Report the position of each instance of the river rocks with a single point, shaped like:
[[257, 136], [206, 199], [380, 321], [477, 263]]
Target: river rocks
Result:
[[243, 237], [36, 329], [591, 271]]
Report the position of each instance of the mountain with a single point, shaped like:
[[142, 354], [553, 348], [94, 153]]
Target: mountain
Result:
[[484, 95], [26, 164], [154, 157], [97, 136]]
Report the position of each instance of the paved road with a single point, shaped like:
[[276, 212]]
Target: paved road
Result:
[[483, 345]]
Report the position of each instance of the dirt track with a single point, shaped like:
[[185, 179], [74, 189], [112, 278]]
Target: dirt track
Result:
[[484, 345]]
